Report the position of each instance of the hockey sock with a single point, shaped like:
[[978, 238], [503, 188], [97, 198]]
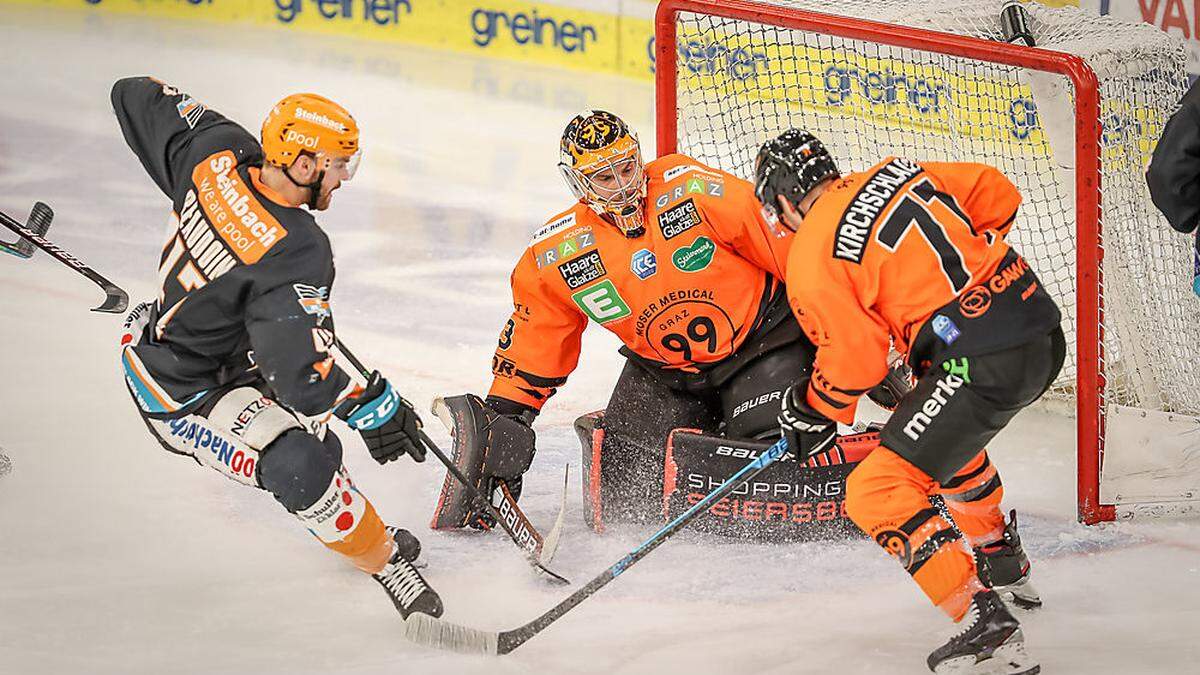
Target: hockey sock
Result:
[[345, 521], [973, 498], [888, 498]]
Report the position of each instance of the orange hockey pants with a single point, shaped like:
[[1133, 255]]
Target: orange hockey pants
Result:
[[888, 498]]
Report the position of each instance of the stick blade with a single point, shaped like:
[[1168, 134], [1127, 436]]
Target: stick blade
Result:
[[554, 537], [429, 631], [115, 300]]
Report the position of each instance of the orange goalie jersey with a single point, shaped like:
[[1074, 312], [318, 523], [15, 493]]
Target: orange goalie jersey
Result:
[[684, 294], [912, 254]]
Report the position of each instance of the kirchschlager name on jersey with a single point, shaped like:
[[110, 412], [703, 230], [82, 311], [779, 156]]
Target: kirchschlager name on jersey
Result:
[[582, 270], [858, 220], [679, 219]]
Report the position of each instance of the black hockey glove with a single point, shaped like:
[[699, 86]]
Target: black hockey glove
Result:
[[510, 448], [387, 423], [895, 385], [807, 431]]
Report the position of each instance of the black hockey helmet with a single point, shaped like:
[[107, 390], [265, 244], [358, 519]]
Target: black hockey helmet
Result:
[[791, 164]]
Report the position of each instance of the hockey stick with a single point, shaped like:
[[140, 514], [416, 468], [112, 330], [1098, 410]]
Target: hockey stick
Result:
[[475, 493], [39, 221], [115, 300], [527, 536], [432, 632]]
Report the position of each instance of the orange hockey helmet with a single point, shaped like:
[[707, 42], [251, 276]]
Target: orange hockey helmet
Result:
[[313, 124], [599, 143]]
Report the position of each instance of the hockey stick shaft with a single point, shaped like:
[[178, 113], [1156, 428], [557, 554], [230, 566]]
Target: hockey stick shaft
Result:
[[115, 301], [510, 640], [474, 491], [433, 632]]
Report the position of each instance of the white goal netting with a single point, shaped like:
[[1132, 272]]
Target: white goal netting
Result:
[[741, 81]]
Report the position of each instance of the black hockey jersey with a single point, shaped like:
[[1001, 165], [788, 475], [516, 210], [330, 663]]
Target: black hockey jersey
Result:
[[244, 279], [1174, 172]]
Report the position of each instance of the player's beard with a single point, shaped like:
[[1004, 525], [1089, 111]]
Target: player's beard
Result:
[[324, 198]]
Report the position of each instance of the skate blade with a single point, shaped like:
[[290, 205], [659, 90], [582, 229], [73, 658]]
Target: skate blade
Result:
[[1009, 658]]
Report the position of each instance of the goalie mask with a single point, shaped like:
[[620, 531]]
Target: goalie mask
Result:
[[791, 164], [602, 164]]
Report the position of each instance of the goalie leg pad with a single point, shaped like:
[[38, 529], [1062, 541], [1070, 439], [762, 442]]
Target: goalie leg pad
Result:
[[640, 416], [786, 502]]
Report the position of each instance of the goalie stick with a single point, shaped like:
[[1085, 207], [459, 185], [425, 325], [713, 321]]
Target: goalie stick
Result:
[[115, 300], [39, 221], [475, 493], [433, 632], [527, 536]]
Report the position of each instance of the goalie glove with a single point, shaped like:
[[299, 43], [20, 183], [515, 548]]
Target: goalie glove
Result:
[[807, 431], [387, 423]]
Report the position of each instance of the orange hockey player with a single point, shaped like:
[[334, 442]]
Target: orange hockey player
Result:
[[679, 261], [912, 256]]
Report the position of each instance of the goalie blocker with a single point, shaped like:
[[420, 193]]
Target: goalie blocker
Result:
[[788, 501]]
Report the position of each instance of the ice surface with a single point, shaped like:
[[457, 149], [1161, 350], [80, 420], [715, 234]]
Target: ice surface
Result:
[[116, 557]]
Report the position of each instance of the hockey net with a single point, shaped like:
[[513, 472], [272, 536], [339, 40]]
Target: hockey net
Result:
[[1072, 123]]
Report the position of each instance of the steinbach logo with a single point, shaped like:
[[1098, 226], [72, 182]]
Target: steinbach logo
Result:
[[318, 118], [531, 28], [248, 229], [944, 390]]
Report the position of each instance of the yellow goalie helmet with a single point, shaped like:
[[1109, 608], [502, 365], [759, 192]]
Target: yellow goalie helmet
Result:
[[602, 164]]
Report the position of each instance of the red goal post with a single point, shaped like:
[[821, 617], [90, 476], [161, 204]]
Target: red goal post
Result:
[[1089, 390]]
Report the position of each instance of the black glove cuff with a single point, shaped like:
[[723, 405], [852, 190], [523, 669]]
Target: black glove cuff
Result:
[[520, 411]]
